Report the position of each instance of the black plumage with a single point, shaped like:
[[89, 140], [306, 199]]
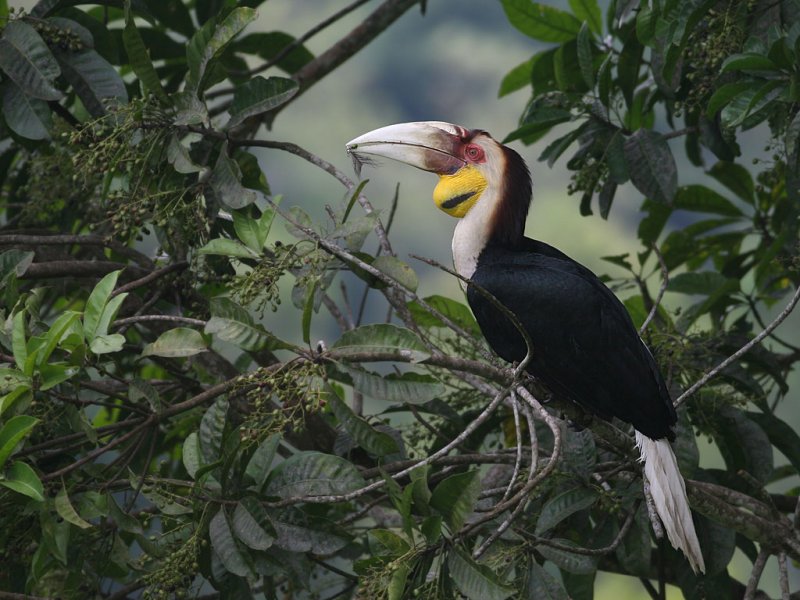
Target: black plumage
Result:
[[585, 346]]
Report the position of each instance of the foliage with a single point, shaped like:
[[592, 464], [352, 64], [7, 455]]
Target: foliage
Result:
[[159, 439]]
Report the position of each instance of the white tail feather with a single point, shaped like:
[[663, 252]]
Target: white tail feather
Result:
[[669, 496]]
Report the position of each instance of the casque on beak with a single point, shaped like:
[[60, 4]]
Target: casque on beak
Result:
[[428, 145]]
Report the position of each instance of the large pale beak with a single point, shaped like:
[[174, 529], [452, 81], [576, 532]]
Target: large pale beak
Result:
[[429, 145]]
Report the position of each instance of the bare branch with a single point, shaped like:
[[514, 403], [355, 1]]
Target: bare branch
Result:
[[151, 277], [741, 351], [755, 574], [661, 290], [158, 318]]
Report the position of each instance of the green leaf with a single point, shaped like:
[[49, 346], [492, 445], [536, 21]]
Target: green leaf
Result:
[[96, 303], [455, 498], [223, 542], [398, 270], [93, 79], [11, 378], [634, 551], [651, 165], [628, 67], [28, 62], [139, 59], [53, 374], [381, 337], [67, 512], [178, 342], [248, 529], [516, 79], [232, 323], [780, 434], [178, 156], [458, 312], [377, 443], [706, 282], [541, 22], [106, 344], [748, 61], [23, 480], [19, 342], [61, 326], [245, 335], [588, 11], [474, 580], [749, 104], [259, 95], [384, 542], [21, 392], [702, 199], [409, 387], [585, 61], [268, 45], [542, 585], [259, 465], [228, 247], [26, 116], [580, 564], [109, 313], [736, 178], [722, 96], [212, 430], [13, 263], [298, 531], [191, 455], [226, 182], [209, 41], [313, 474], [562, 506], [743, 443], [13, 432]]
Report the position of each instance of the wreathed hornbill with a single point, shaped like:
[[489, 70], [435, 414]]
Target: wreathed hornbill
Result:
[[585, 346]]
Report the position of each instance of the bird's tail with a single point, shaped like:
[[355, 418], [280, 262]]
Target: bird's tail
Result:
[[669, 496]]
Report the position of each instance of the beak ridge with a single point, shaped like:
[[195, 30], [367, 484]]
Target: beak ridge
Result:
[[428, 145]]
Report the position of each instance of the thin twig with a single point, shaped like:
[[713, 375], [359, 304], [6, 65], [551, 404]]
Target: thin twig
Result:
[[783, 576], [151, 277], [741, 351], [158, 318], [755, 574], [518, 447], [662, 289], [308, 35]]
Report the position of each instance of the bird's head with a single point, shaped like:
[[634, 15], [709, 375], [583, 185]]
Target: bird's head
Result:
[[468, 161]]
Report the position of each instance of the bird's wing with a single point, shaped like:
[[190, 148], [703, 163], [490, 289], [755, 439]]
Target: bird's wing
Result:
[[585, 346]]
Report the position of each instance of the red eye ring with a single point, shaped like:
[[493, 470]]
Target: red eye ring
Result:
[[473, 152]]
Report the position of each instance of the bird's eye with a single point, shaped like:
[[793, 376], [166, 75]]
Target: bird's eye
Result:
[[474, 152]]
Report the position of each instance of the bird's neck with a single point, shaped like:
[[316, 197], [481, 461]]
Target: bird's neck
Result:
[[497, 218]]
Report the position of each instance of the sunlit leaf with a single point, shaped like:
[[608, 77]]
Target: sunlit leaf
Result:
[[13, 432], [67, 512], [541, 22], [175, 343], [23, 479]]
